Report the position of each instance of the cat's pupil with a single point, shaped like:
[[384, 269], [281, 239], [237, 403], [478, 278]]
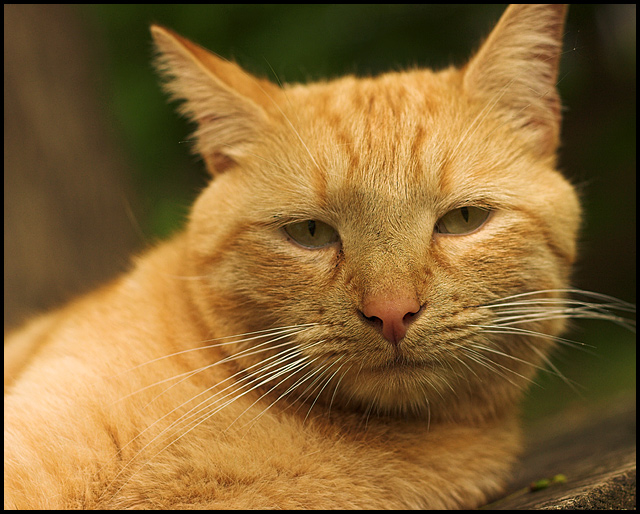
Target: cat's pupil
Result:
[[311, 225], [465, 213]]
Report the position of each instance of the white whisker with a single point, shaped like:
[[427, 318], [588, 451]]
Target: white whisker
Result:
[[193, 412], [493, 329], [491, 364], [256, 335], [243, 353], [325, 385], [570, 383]]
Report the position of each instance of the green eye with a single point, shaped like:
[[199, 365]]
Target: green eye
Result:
[[312, 233], [463, 220]]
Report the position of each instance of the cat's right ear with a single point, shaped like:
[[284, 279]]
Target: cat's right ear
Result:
[[231, 107]]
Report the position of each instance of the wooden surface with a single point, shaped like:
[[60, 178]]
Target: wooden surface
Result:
[[593, 452]]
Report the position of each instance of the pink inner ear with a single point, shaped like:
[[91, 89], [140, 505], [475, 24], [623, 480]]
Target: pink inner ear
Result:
[[218, 163]]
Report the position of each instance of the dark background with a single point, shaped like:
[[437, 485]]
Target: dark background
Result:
[[96, 166]]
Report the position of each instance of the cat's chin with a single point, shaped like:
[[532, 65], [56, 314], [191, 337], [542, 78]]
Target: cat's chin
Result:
[[395, 388]]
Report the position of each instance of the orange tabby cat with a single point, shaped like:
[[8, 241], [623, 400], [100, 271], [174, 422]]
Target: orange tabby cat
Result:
[[329, 330]]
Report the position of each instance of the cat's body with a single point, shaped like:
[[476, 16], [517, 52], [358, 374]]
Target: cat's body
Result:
[[281, 460], [323, 334]]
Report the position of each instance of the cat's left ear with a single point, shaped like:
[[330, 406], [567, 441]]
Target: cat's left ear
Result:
[[231, 107], [516, 70]]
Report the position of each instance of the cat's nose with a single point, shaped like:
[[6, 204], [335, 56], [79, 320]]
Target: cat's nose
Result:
[[391, 315]]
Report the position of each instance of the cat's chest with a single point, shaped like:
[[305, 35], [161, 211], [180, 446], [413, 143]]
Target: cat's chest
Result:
[[277, 462]]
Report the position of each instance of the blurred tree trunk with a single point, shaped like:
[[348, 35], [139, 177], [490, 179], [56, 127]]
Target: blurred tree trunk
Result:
[[67, 193]]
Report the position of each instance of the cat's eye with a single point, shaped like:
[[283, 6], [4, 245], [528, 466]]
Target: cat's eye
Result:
[[462, 220], [312, 233]]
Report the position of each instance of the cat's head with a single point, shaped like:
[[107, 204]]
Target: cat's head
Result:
[[384, 217]]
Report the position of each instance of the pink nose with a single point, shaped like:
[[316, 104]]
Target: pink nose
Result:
[[392, 316]]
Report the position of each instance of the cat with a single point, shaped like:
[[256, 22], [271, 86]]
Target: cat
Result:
[[375, 272]]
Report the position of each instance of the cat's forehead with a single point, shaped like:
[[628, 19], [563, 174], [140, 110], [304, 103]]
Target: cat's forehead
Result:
[[397, 137], [365, 110]]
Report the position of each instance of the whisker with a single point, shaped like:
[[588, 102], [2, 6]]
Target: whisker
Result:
[[188, 374], [174, 425], [580, 292], [335, 389], [318, 371], [276, 373], [246, 381], [324, 386], [535, 366], [569, 306], [257, 335], [564, 314], [490, 364], [243, 353], [573, 385], [493, 329], [529, 307], [193, 412], [248, 378], [291, 388]]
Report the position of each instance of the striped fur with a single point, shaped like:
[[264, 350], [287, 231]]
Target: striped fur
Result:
[[236, 368]]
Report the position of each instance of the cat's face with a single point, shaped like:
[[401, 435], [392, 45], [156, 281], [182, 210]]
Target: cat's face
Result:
[[385, 217]]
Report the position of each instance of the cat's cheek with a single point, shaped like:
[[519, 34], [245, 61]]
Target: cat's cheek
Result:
[[265, 271], [460, 249]]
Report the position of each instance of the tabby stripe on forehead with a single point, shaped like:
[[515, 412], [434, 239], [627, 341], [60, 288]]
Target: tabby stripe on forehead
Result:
[[346, 144], [320, 187], [417, 142]]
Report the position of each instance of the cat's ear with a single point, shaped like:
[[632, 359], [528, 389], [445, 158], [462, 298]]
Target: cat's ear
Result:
[[230, 106], [516, 71]]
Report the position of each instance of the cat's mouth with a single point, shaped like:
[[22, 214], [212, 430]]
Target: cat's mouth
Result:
[[402, 362]]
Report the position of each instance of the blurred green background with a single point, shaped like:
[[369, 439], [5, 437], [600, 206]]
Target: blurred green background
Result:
[[300, 43]]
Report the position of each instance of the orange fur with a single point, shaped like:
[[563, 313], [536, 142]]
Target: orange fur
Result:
[[160, 391]]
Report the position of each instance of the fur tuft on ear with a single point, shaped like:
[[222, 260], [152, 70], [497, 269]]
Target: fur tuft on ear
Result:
[[517, 69], [230, 106]]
